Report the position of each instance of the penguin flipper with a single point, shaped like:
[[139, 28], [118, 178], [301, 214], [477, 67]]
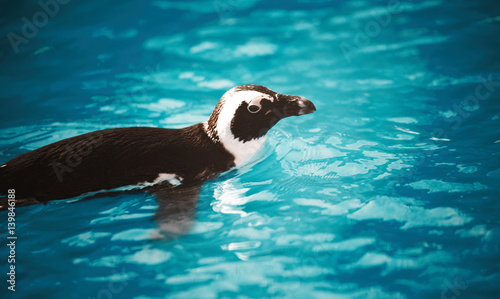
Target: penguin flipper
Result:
[[176, 211]]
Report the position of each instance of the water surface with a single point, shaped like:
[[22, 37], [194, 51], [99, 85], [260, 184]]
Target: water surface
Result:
[[389, 190]]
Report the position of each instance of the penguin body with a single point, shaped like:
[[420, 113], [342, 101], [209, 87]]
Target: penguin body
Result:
[[113, 158], [143, 157]]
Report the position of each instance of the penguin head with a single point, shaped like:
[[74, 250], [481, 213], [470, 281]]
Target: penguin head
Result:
[[245, 114]]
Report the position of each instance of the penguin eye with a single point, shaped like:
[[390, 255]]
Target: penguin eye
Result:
[[252, 108]]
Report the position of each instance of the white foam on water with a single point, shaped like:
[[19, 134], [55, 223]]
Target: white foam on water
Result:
[[150, 257], [410, 213], [434, 186]]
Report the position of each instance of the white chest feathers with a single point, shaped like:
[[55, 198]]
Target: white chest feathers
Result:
[[242, 151]]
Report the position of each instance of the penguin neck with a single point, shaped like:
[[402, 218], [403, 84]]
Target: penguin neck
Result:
[[242, 151]]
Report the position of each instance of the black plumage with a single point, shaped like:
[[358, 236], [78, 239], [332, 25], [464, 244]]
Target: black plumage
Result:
[[169, 163], [112, 158]]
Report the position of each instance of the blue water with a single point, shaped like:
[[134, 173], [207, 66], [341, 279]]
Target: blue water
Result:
[[389, 190]]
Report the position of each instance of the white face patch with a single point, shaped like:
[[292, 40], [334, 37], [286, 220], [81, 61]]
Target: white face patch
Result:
[[241, 150]]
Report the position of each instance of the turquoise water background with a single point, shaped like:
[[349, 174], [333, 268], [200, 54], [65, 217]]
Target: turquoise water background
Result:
[[389, 190]]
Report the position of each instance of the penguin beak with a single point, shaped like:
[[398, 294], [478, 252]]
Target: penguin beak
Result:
[[295, 105]]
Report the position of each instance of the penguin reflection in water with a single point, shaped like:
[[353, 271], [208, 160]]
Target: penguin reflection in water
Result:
[[169, 163]]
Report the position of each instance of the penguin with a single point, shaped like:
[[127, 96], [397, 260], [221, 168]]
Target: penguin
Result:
[[170, 163]]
